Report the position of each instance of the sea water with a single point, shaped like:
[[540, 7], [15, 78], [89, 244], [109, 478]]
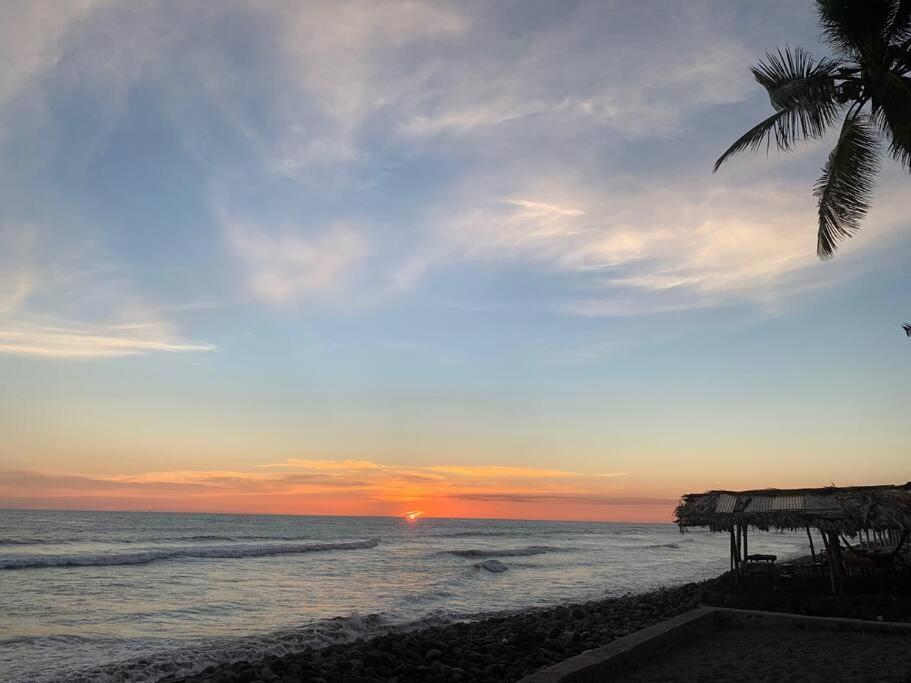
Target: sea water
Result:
[[138, 596]]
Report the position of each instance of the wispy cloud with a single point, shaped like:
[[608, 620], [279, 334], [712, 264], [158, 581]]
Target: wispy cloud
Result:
[[92, 342], [569, 498], [492, 471], [288, 264], [40, 295], [642, 248], [391, 488], [451, 138], [326, 464]]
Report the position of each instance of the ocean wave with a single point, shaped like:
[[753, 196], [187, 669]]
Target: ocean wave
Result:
[[508, 552], [154, 659], [175, 538], [22, 541], [674, 545], [494, 566], [156, 554]]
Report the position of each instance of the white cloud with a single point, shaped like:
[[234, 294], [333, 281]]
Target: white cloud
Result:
[[643, 248], [92, 341], [589, 67], [31, 43], [290, 263], [336, 84], [42, 291]]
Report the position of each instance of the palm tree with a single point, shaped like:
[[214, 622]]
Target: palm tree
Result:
[[867, 84]]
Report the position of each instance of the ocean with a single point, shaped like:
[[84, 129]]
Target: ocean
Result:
[[112, 596]]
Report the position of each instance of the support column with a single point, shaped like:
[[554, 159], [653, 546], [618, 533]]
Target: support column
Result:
[[812, 549], [835, 563]]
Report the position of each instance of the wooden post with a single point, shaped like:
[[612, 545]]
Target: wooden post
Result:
[[835, 563], [825, 542], [746, 552], [812, 549], [737, 571]]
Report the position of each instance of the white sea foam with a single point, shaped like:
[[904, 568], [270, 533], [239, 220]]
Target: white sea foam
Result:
[[156, 659], [156, 554]]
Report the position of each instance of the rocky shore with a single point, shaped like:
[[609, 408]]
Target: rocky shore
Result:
[[498, 648]]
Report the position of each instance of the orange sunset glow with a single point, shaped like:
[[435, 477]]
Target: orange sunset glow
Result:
[[364, 487], [349, 487]]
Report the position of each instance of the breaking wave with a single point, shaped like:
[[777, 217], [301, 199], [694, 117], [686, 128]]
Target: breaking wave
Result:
[[154, 660], [509, 552], [494, 566], [156, 554]]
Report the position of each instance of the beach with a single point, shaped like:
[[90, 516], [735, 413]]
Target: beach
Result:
[[139, 597], [500, 648]]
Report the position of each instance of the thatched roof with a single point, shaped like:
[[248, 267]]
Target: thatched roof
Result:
[[845, 510]]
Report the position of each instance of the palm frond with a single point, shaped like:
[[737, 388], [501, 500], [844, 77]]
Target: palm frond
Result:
[[891, 109], [795, 75], [900, 27], [901, 57], [847, 178], [907, 328], [753, 138], [804, 95], [856, 27]]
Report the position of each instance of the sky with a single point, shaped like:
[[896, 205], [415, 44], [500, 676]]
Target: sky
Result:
[[466, 258]]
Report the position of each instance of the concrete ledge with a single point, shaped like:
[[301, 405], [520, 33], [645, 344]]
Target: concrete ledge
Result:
[[728, 617], [625, 653], [610, 659]]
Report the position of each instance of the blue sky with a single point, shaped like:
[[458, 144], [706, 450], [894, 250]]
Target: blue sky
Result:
[[426, 233]]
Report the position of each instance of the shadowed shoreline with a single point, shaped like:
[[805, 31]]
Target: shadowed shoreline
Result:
[[498, 648]]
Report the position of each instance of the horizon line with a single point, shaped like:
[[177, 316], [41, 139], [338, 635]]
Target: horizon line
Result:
[[293, 514]]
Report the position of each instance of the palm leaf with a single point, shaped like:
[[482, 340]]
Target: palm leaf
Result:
[[847, 178], [753, 138], [803, 93], [791, 75], [891, 109], [907, 328], [856, 27], [900, 26]]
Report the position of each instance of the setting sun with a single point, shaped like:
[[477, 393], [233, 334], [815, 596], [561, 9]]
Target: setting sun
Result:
[[412, 515]]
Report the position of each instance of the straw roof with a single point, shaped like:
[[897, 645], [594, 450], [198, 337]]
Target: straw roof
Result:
[[844, 510]]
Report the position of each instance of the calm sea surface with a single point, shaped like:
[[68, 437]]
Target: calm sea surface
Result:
[[116, 596]]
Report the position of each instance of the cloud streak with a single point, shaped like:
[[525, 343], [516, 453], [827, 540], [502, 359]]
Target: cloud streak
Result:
[[72, 304], [311, 484], [81, 342]]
